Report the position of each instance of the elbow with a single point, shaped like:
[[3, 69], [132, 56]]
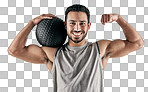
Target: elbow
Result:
[[12, 52], [140, 44]]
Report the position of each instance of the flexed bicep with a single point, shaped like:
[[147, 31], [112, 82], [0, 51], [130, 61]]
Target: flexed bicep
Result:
[[119, 48]]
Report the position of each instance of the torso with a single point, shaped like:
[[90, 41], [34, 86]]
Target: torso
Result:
[[50, 52]]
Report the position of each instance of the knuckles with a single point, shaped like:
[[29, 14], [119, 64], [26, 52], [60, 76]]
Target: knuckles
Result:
[[42, 14]]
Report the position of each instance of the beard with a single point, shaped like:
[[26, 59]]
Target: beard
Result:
[[77, 39]]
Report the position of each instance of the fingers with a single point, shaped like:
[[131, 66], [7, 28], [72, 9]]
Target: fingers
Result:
[[106, 18], [102, 20], [43, 16], [48, 15]]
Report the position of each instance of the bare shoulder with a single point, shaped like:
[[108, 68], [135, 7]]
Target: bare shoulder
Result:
[[103, 45], [50, 52]]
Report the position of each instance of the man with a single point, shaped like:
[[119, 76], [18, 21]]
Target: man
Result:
[[78, 65]]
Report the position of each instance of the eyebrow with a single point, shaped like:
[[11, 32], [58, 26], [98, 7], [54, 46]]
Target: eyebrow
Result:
[[79, 21]]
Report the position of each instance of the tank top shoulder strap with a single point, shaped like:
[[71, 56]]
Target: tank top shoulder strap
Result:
[[57, 51], [58, 48], [98, 47]]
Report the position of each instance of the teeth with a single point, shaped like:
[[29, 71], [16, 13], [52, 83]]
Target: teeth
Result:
[[77, 33]]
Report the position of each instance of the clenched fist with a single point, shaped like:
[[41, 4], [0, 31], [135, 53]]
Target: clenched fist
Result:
[[109, 18]]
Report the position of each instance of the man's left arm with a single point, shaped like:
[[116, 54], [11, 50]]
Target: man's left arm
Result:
[[118, 48]]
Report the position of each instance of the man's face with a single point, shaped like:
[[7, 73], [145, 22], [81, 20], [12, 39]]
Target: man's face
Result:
[[77, 26]]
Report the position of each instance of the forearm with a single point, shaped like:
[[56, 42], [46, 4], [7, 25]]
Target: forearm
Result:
[[21, 38], [130, 33]]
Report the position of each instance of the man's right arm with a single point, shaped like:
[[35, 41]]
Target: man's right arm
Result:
[[31, 53]]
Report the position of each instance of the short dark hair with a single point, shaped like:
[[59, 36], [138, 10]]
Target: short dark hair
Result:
[[77, 8]]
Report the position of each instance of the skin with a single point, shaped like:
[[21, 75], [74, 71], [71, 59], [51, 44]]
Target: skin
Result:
[[108, 49], [77, 21]]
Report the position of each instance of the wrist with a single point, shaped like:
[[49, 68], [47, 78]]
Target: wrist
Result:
[[31, 22], [119, 17]]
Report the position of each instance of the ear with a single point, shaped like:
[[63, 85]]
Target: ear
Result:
[[65, 25], [89, 24]]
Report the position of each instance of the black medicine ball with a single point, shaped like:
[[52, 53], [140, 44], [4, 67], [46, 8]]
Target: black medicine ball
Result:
[[51, 32]]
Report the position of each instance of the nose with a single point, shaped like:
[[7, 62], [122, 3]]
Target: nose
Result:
[[77, 27]]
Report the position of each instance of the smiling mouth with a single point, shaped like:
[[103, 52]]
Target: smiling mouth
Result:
[[77, 34]]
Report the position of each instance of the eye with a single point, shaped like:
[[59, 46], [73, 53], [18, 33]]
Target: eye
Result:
[[82, 23], [72, 23]]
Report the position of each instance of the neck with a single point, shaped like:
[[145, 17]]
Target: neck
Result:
[[71, 43]]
